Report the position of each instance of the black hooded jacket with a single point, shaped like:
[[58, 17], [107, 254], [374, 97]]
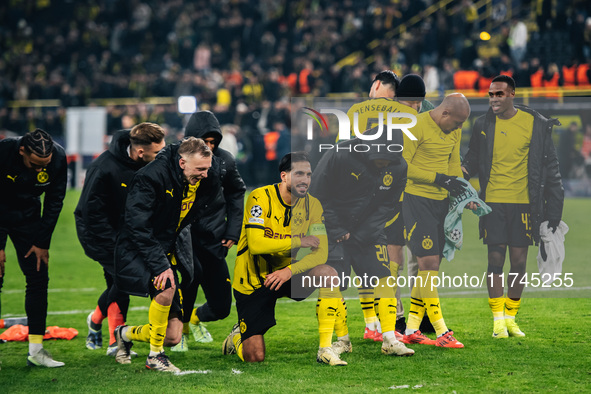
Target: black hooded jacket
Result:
[[21, 188], [357, 197], [100, 209], [223, 218], [150, 227], [546, 195]]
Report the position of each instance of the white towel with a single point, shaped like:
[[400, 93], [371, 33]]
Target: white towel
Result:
[[554, 246]]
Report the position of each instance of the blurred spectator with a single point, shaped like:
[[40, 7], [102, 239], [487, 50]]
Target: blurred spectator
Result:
[[517, 40], [567, 154]]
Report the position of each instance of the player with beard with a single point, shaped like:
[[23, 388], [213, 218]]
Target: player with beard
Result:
[[280, 221]]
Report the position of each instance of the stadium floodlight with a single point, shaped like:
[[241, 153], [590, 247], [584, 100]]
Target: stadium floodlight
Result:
[[187, 104]]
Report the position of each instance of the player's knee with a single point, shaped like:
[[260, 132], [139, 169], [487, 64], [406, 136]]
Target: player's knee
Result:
[[222, 311], [325, 270], [495, 268]]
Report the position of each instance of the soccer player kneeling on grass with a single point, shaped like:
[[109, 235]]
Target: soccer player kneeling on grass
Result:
[[512, 151], [164, 198], [433, 167], [279, 221]]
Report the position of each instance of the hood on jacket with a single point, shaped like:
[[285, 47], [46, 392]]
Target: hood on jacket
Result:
[[204, 124], [120, 143], [382, 147]]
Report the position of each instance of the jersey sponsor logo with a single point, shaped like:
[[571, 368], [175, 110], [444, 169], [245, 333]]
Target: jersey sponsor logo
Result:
[[186, 206], [427, 243], [269, 233], [12, 178], [356, 175], [256, 220], [42, 177], [170, 192]]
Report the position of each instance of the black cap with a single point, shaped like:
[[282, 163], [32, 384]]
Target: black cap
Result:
[[38, 142], [411, 85]]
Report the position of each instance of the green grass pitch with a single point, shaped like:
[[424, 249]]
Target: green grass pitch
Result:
[[554, 356]]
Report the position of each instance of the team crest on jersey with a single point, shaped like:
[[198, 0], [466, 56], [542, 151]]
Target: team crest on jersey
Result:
[[256, 211], [388, 179], [42, 177], [298, 220], [427, 243]]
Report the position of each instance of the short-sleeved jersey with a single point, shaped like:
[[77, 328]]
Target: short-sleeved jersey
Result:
[[369, 113], [508, 174], [271, 233], [433, 152]]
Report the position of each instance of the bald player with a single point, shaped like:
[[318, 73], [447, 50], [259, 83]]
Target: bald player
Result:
[[433, 167]]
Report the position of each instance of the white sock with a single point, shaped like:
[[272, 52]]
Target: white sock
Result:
[[409, 331], [154, 354], [344, 338], [389, 335], [34, 348], [378, 326], [124, 334]]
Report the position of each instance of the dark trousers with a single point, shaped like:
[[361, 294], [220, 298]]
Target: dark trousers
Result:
[[112, 294], [36, 281], [211, 273]]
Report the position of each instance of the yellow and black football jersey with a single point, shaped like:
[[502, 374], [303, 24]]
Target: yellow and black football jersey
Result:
[[188, 200], [271, 232], [369, 113], [508, 174], [433, 152]]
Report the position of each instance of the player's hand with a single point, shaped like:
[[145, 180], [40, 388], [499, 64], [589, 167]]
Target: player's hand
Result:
[[466, 173], [228, 243], [2, 261], [344, 238], [450, 183], [472, 206], [42, 255], [160, 280], [310, 241], [276, 279], [553, 224]]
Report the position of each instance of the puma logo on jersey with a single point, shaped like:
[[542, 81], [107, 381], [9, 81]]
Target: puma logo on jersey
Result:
[[123, 184], [356, 175], [255, 198], [483, 133], [276, 218], [330, 308], [504, 132], [169, 192], [12, 178]]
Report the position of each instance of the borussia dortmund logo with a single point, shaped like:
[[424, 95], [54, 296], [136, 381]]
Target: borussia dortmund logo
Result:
[[298, 220], [256, 211], [427, 243], [242, 327], [42, 177], [387, 179]]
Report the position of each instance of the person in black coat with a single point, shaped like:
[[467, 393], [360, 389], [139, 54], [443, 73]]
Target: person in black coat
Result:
[[164, 198], [214, 232], [100, 212], [32, 165]]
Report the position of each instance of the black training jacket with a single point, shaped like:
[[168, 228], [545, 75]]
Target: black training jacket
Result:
[[357, 197], [546, 194], [21, 188], [223, 217], [152, 210], [99, 213]]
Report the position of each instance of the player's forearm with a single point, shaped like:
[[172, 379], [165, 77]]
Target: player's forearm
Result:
[[259, 244]]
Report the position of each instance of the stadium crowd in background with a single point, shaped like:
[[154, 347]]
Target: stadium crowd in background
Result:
[[244, 59]]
